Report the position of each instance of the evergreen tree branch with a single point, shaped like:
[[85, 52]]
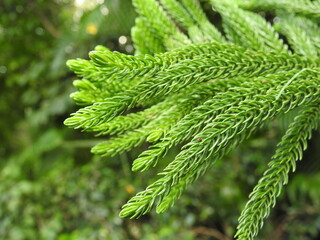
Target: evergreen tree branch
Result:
[[303, 34], [194, 122], [218, 137], [160, 124], [210, 32], [248, 29], [89, 93], [302, 7], [184, 19], [188, 14], [289, 150], [160, 24], [209, 95], [143, 39], [235, 62], [130, 121]]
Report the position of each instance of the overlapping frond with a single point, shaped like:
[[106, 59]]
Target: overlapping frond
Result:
[[189, 16], [145, 42], [218, 61], [289, 150], [302, 7], [302, 33], [205, 89], [248, 29], [220, 135], [159, 24]]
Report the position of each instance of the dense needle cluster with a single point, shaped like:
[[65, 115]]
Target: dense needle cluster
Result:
[[206, 89]]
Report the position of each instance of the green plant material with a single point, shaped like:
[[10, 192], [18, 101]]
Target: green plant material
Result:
[[289, 150], [145, 42], [302, 33], [189, 16], [302, 7], [205, 92], [248, 29], [160, 24], [220, 61]]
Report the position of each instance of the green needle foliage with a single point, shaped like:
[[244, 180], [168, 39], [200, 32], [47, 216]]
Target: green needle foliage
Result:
[[284, 160], [207, 89]]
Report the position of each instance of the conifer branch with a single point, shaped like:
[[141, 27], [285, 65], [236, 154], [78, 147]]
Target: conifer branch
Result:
[[204, 92], [302, 34], [289, 150], [248, 29], [235, 62], [192, 123], [89, 93], [144, 41], [158, 125], [114, 66], [188, 14], [184, 19], [160, 24], [302, 7], [218, 137], [130, 121]]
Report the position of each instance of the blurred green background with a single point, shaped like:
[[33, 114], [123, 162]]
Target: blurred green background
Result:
[[51, 187]]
